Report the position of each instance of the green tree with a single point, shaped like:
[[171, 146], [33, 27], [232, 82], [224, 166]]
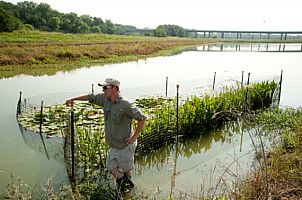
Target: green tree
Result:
[[42, 17], [109, 27], [44, 14], [69, 23], [27, 13], [96, 29], [54, 23], [160, 32], [11, 8], [119, 29], [8, 23], [87, 19], [98, 22], [82, 27], [171, 30]]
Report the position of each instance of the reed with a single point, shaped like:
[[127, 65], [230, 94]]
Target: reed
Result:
[[196, 114]]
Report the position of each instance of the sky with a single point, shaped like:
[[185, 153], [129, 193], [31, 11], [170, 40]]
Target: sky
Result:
[[254, 15]]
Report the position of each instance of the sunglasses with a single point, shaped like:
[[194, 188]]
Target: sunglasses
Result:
[[107, 87]]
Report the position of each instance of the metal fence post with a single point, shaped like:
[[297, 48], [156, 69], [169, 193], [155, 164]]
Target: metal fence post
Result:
[[280, 84], [41, 117], [166, 86], [40, 129], [19, 104], [177, 113], [242, 74], [247, 88], [72, 144], [214, 81]]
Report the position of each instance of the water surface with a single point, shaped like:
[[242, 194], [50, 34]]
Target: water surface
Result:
[[193, 70]]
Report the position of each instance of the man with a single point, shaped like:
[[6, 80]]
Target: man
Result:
[[118, 114]]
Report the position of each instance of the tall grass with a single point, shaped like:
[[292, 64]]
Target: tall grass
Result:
[[198, 114], [37, 53], [282, 162]]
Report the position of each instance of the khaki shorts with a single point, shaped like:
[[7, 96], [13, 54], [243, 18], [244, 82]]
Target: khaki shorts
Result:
[[121, 158]]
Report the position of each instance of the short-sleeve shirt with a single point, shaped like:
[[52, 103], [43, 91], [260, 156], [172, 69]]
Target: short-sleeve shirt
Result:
[[118, 118]]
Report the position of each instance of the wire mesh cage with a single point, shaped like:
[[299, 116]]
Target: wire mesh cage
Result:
[[76, 134]]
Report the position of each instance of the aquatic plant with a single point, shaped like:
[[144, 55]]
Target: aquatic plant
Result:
[[196, 114]]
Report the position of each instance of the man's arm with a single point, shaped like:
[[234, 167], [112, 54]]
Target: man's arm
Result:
[[137, 132], [70, 101]]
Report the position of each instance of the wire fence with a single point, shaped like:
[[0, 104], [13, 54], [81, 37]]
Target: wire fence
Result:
[[74, 136]]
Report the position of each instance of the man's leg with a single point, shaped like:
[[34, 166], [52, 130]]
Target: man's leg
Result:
[[128, 173], [117, 173], [113, 166], [119, 176], [127, 179], [127, 164]]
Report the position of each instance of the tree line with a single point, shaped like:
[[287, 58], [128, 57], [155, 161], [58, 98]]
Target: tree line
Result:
[[31, 15]]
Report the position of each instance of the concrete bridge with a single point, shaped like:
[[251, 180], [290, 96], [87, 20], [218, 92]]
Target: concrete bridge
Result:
[[251, 35], [254, 35]]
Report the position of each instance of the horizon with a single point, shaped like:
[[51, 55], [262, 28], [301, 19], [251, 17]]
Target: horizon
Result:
[[190, 14]]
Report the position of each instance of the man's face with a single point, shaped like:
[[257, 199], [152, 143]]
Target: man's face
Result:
[[108, 90]]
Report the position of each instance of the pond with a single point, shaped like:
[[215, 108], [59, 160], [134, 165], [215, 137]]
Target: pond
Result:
[[192, 69]]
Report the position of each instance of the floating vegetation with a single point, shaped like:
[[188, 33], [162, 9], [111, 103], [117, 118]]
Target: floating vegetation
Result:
[[54, 117]]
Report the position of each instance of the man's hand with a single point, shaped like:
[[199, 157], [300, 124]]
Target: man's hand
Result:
[[137, 132], [131, 139], [69, 102]]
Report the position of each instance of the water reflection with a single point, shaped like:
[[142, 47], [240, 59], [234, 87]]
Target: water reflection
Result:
[[52, 148], [186, 166], [252, 47]]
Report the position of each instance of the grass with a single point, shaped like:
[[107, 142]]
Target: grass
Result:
[[39, 53], [283, 161]]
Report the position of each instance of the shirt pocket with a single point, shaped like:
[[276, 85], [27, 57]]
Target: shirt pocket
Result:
[[118, 117]]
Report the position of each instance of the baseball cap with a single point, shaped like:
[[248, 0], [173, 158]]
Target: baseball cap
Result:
[[109, 81]]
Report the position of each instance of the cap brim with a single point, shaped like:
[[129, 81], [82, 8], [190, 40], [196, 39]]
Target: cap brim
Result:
[[102, 84]]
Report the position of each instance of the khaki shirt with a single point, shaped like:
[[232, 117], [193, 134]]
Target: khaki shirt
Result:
[[118, 118]]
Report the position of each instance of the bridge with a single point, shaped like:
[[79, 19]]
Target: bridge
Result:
[[251, 35], [279, 35], [252, 47]]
